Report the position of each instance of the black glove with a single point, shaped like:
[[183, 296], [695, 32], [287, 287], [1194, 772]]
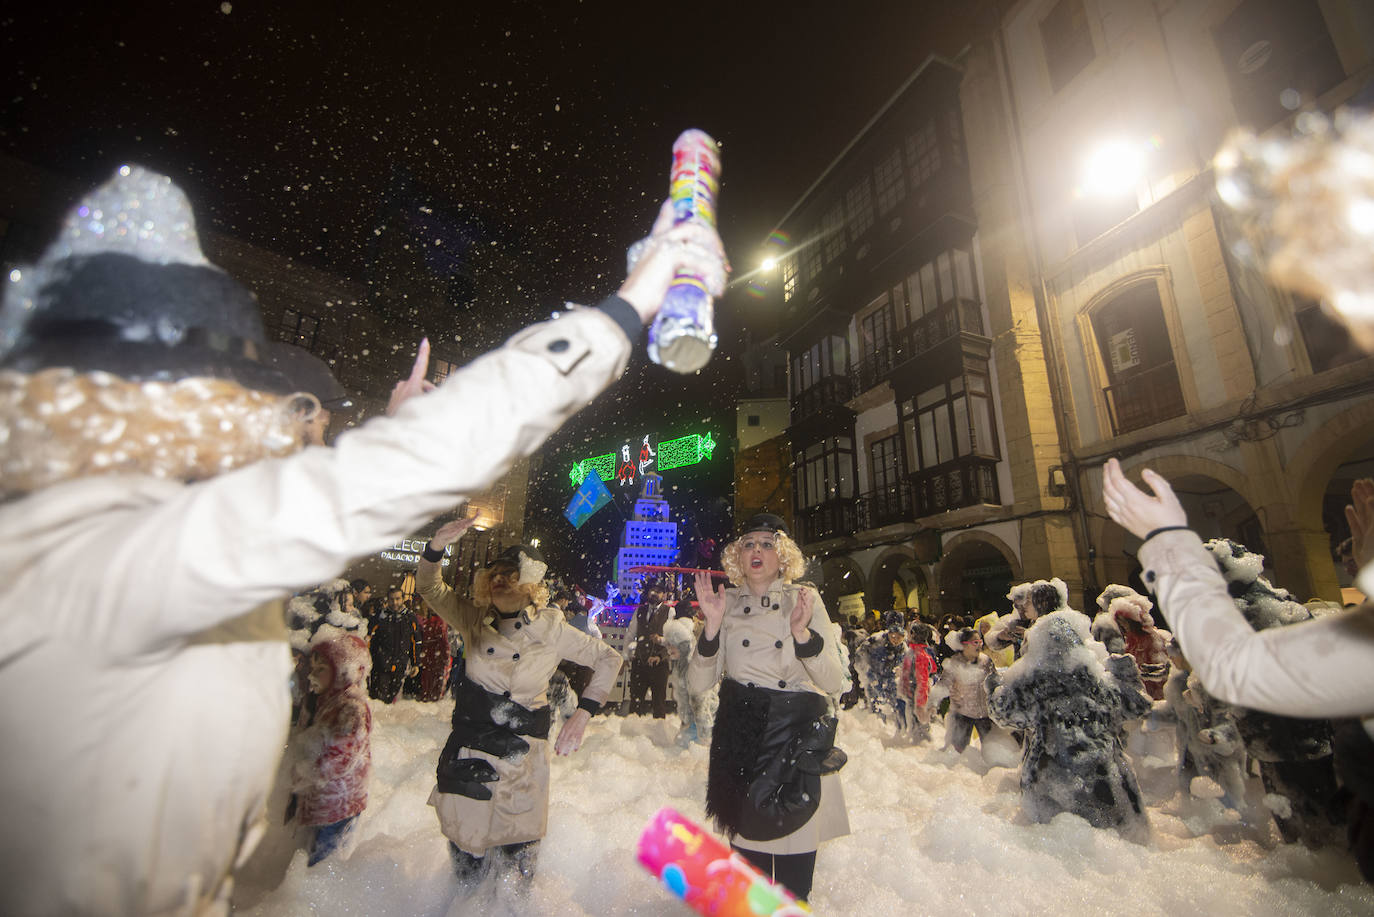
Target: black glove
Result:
[[465, 777]]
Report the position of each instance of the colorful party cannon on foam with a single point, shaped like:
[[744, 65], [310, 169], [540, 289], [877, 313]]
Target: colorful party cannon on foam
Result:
[[713, 879], [683, 334]]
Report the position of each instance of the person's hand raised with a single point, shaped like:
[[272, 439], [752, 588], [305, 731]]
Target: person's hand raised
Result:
[[801, 616], [1360, 514], [415, 383], [712, 602], [450, 532], [1133, 509], [693, 247]]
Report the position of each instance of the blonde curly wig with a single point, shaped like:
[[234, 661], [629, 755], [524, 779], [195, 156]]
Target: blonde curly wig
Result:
[[56, 425], [471, 616], [791, 561]]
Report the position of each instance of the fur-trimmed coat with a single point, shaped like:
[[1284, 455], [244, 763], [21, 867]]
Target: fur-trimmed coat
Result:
[[330, 778], [1071, 707]]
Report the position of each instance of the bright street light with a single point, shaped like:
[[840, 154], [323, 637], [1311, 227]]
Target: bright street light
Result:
[[1113, 169], [769, 263]]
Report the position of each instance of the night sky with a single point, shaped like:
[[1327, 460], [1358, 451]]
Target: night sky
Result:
[[286, 122]]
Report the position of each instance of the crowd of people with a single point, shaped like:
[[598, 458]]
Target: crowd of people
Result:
[[146, 435]]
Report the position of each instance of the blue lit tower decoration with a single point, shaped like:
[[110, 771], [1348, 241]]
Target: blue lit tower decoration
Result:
[[649, 539]]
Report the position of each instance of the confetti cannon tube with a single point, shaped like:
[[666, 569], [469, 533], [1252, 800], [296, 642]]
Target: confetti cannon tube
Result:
[[713, 879], [683, 335]]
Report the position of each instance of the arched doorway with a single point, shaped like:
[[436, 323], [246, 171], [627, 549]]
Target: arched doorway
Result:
[[899, 582], [1216, 511], [1359, 464], [841, 586], [975, 576]]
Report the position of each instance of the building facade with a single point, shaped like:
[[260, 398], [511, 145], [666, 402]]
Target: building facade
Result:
[[1165, 344], [915, 376]]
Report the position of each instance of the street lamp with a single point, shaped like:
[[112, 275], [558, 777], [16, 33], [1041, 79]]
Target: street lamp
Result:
[[1113, 169]]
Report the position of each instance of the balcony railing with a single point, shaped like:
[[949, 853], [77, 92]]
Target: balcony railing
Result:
[[967, 481], [886, 505], [1145, 399], [827, 520], [828, 392], [944, 323], [874, 368]]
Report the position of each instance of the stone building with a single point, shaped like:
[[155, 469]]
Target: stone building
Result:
[[1164, 344]]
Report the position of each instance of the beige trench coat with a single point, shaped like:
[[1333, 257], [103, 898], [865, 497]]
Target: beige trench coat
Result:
[[756, 649], [143, 699], [516, 657]]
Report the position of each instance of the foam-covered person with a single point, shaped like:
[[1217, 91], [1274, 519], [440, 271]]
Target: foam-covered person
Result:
[[159, 505], [492, 780], [330, 778], [773, 785], [965, 677], [1071, 700], [1029, 602], [1206, 736]]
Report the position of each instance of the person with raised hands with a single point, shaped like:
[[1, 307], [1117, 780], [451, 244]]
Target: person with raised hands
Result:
[[773, 784]]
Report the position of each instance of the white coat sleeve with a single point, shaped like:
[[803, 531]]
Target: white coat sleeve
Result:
[[445, 603], [586, 650], [225, 546], [1322, 668], [704, 671]]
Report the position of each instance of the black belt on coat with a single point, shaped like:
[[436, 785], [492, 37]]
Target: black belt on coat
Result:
[[769, 749], [490, 723]]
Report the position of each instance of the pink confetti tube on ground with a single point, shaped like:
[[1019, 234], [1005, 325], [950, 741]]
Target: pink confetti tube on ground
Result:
[[713, 879]]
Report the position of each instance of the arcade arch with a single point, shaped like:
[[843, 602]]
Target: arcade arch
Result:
[[975, 574], [899, 582]]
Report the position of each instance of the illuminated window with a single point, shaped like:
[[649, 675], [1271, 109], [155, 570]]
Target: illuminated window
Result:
[[439, 370], [789, 277]]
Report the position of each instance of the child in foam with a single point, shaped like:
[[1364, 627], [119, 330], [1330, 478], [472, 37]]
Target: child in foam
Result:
[[1207, 739], [913, 682], [965, 675], [330, 779]]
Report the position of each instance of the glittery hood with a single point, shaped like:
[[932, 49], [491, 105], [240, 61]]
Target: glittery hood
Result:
[[126, 289]]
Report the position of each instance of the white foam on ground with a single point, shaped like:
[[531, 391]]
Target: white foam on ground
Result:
[[933, 833]]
